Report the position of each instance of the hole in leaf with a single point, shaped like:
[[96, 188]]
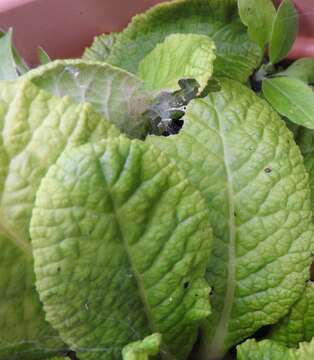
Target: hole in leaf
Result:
[[71, 355], [186, 285], [268, 170], [262, 332], [164, 116], [312, 271]]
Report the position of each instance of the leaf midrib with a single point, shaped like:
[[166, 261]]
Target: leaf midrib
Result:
[[216, 346], [127, 249]]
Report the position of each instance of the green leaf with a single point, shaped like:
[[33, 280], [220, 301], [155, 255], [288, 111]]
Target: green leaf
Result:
[[143, 349], [241, 156], [121, 240], [284, 31], [100, 48], [305, 139], [8, 69], [237, 56], [35, 128], [180, 56], [291, 98], [114, 93], [268, 349], [24, 332], [258, 16], [302, 69], [43, 56], [298, 325]]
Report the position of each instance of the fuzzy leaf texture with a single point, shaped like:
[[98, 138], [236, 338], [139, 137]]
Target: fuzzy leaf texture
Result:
[[35, 128], [237, 56], [241, 156], [180, 56], [270, 350], [142, 349], [121, 241], [298, 325]]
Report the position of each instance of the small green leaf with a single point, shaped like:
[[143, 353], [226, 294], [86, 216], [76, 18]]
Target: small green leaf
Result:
[[271, 350], [180, 56], [237, 55], [8, 69], [291, 98], [302, 69], [100, 48], [284, 31], [43, 56], [258, 16], [141, 350]]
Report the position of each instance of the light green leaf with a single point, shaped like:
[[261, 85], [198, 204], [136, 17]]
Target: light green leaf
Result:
[[291, 98], [298, 325], [270, 350], [258, 16], [143, 349], [35, 128], [114, 93], [241, 156], [43, 56], [305, 139], [284, 31], [180, 56], [100, 48], [302, 69], [24, 333], [121, 240], [8, 69], [237, 56]]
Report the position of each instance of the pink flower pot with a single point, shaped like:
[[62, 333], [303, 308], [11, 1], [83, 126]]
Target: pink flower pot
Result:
[[304, 45], [64, 27]]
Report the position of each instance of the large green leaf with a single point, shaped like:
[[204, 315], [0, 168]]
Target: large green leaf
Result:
[[292, 98], [244, 160], [121, 241], [142, 349], [35, 128], [258, 16], [270, 350], [284, 31], [180, 56], [237, 56], [114, 93], [100, 48], [298, 325]]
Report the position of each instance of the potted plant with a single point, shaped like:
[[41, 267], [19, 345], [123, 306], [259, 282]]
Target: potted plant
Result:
[[156, 193]]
